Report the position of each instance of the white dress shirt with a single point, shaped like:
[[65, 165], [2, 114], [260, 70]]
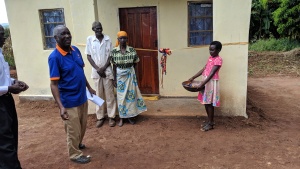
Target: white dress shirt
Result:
[[5, 79], [99, 53]]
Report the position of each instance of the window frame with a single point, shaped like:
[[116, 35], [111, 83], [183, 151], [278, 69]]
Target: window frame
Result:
[[41, 12], [190, 18]]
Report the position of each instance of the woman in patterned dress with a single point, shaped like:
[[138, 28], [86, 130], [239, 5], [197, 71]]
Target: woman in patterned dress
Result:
[[129, 99]]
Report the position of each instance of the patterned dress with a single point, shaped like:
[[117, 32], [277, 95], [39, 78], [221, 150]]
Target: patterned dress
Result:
[[211, 93], [129, 98]]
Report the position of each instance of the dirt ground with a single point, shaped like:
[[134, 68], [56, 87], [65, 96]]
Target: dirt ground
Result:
[[269, 138]]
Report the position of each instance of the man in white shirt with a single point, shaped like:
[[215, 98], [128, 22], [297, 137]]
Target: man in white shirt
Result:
[[98, 48], [8, 115]]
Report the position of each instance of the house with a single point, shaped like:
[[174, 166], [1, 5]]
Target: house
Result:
[[186, 27]]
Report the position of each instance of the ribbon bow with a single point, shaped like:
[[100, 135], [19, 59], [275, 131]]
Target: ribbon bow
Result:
[[163, 62]]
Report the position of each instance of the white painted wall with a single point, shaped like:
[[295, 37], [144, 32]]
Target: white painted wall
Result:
[[231, 25]]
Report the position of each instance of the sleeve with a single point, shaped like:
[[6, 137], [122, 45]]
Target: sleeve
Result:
[[12, 80], [218, 61], [88, 47], [53, 68], [136, 57], [112, 60], [3, 90], [111, 46]]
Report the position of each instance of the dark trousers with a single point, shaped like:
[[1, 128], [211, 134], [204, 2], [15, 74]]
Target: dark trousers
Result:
[[8, 133]]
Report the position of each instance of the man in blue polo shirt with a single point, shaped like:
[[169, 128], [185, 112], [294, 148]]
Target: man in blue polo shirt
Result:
[[68, 87]]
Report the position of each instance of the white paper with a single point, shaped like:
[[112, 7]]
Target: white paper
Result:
[[95, 99]]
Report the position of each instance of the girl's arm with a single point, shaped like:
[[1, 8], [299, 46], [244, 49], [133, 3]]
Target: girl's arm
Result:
[[197, 74], [212, 73]]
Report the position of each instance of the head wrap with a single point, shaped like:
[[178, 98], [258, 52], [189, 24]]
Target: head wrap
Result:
[[119, 34]]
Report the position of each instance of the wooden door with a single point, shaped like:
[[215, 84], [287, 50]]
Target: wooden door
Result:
[[141, 27]]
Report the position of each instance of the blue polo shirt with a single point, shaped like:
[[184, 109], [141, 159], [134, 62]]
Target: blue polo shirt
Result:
[[67, 68]]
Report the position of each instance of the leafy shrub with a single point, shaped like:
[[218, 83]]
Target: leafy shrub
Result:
[[272, 44], [286, 18], [8, 50]]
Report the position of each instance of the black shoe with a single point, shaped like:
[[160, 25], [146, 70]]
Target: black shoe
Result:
[[82, 160], [100, 122], [81, 146], [112, 122]]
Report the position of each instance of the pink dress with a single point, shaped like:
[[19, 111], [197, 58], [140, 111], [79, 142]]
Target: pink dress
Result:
[[211, 93]]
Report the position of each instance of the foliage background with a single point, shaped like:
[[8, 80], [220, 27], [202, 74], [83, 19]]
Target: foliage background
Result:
[[8, 50], [274, 19]]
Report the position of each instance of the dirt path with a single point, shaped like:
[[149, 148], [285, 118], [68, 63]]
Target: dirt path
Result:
[[270, 138]]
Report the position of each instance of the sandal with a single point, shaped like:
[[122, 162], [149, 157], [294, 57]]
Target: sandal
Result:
[[206, 122], [120, 122], [208, 126]]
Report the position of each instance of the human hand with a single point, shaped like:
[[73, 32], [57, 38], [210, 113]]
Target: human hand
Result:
[[64, 114], [191, 79], [201, 87], [103, 75], [101, 70], [17, 87], [22, 85], [92, 91]]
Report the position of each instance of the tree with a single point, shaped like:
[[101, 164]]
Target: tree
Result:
[[6, 32], [287, 18], [261, 23]]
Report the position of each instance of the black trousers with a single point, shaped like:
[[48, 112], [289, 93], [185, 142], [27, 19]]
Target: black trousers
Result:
[[8, 133]]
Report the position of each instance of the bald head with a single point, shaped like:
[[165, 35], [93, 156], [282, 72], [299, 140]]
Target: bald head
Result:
[[57, 29], [97, 28], [96, 23], [63, 37]]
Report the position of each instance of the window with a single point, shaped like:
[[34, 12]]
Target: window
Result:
[[200, 18], [49, 19]]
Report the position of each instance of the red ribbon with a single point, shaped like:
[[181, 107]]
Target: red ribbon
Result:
[[163, 61]]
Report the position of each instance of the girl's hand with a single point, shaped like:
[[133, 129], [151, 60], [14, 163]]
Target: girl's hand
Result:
[[191, 79]]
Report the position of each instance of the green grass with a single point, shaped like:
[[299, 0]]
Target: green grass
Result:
[[274, 45]]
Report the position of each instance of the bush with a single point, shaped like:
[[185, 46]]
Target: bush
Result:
[[286, 18], [8, 53], [272, 44]]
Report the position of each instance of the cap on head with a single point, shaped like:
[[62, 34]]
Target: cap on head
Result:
[[121, 33]]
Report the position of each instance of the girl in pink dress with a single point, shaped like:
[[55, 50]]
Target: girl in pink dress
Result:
[[210, 96]]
